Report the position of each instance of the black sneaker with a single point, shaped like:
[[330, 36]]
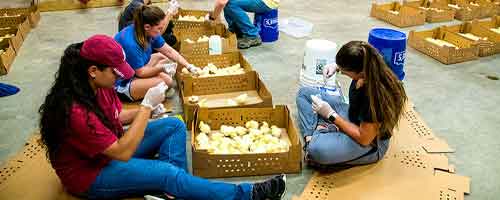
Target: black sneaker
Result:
[[272, 189], [247, 42]]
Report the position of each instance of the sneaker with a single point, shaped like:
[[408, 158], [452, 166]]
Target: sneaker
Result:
[[247, 42], [272, 189]]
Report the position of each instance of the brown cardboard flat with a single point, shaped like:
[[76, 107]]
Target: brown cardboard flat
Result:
[[437, 145], [30, 168], [28, 176], [406, 172]]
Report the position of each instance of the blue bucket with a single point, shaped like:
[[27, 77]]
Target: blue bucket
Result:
[[267, 23], [392, 45]]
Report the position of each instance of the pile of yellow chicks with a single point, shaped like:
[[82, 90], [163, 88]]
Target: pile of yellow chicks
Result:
[[251, 138]]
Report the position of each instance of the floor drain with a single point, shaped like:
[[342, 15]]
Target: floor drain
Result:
[[492, 77]]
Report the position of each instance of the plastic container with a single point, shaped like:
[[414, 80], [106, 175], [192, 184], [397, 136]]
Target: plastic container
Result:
[[268, 25], [296, 27], [318, 54], [392, 45], [215, 45]]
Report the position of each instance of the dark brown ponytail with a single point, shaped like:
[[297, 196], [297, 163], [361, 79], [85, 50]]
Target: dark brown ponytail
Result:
[[386, 94], [143, 15]]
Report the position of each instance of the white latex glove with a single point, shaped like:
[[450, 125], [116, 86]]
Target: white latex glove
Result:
[[154, 96], [170, 68], [322, 107], [193, 69], [329, 70], [173, 7]]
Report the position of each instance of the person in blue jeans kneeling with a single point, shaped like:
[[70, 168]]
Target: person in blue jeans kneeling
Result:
[[337, 133], [95, 158], [238, 20]]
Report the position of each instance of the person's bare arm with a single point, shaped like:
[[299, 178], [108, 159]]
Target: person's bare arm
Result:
[[219, 6], [151, 69], [125, 147], [172, 54], [363, 134], [128, 115]]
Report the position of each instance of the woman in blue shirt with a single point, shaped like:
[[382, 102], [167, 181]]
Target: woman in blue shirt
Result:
[[138, 41]]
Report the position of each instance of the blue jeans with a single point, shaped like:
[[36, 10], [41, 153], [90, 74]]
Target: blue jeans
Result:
[[143, 175], [237, 18], [330, 146]]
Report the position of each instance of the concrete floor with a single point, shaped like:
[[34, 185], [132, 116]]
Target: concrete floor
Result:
[[457, 101]]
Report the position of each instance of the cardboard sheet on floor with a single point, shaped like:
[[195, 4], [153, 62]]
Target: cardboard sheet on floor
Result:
[[221, 100], [168, 103], [29, 175], [408, 171]]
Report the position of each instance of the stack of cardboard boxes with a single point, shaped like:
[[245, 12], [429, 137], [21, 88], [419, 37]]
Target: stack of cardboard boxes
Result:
[[209, 98], [459, 43], [15, 24]]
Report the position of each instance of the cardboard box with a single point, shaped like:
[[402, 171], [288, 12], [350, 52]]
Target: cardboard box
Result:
[[488, 43], [486, 8], [55, 5], [211, 166], [32, 13], [216, 91], [185, 25], [16, 41], [467, 50], [433, 12], [496, 5], [494, 22], [406, 16], [221, 61], [7, 57], [463, 10], [19, 21], [229, 41]]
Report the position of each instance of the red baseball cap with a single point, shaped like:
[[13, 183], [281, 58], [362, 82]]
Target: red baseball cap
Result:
[[105, 50]]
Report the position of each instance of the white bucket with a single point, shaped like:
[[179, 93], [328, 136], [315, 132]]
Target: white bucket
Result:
[[318, 54]]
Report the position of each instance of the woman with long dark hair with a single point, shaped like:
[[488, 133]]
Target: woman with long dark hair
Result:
[[138, 41], [358, 132], [94, 157]]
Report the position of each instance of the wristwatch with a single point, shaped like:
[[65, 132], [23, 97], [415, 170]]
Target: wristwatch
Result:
[[211, 17], [332, 117]]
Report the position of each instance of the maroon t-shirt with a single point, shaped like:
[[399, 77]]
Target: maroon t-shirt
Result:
[[80, 158]]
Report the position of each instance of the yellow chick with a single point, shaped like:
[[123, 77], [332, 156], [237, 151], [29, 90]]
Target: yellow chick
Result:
[[204, 128], [241, 99], [275, 131], [252, 124]]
